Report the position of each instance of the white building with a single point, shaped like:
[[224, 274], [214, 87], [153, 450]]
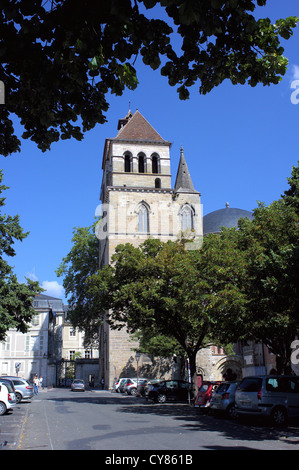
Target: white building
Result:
[[36, 351]]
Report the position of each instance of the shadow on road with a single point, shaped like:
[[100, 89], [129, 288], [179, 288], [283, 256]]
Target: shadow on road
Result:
[[188, 418]]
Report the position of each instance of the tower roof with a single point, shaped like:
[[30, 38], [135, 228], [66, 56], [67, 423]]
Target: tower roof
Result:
[[136, 128], [183, 183]]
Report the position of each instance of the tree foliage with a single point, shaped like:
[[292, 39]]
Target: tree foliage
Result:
[[16, 299], [60, 59], [75, 268], [168, 290], [270, 246]]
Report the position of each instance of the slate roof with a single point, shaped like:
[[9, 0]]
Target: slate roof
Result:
[[46, 301], [136, 128], [183, 182], [228, 217]]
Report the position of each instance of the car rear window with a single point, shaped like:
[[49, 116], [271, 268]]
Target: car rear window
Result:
[[250, 384], [204, 388], [8, 385], [18, 382], [222, 388]]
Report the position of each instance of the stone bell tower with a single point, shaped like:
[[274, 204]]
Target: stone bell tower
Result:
[[138, 202]]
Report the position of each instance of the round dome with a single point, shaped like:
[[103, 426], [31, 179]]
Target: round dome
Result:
[[228, 217]]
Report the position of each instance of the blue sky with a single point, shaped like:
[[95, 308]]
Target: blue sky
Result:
[[239, 142]]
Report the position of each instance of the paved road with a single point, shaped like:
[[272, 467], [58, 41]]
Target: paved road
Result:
[[59, 419]]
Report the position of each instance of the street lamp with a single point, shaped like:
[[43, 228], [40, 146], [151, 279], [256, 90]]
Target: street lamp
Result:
[[137, 357]]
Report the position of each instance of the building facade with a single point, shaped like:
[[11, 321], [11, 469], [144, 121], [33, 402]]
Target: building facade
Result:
[[138, 202], [51, 348], [37, 351]]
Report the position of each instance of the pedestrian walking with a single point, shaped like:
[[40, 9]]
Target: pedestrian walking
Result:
[[41, 383], [35, 384]]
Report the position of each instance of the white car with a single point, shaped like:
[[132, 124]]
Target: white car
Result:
[[118, 383], [7, 399], [131, 387]]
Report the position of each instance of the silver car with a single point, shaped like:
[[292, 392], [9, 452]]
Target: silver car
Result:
[[223, 399], [78, 384], [23, 389], [274, 396]]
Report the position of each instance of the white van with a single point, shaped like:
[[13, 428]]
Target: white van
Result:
[[7, 400], [274, 396]]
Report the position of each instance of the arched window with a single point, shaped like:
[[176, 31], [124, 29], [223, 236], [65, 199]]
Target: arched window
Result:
[[141, 163], [187, 215], [155, 163], [157, 183], [143, 219], [128, 163]]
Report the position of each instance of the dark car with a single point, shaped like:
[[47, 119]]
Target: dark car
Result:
[[168, 390], [143, 387]]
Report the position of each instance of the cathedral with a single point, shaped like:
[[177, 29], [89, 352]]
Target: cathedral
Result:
[[138, 202]]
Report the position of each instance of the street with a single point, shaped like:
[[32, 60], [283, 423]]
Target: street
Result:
[[58, 419]]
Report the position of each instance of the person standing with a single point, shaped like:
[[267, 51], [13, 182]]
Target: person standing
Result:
[[35, 384]]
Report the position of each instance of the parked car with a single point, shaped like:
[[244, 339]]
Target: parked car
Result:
[[23, 389], [142, 386], [204, 394], [7, 399], [128, 383], [78, 384], [131, 386], [122, 386], [118, 383], [223, 399], [168, 390], [274, 396], [11, 389], [9, 383]]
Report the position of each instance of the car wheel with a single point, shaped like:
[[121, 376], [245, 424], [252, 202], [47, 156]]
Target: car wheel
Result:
[[3, 408], [279, 416], [133, 391], [18, 397], [232, 412], [161, 398]]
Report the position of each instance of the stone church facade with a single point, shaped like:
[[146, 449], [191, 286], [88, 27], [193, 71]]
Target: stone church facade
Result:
[[138, 202]]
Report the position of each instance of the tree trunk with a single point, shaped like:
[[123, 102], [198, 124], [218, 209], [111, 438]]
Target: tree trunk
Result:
[[283, 359], [193, 374]]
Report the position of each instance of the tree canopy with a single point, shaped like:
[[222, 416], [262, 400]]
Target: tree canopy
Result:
[[16, 299], [81, 262], [170, 291], [60, 59], [270, 245]]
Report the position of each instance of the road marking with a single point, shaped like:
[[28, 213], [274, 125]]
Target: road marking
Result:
[[51, 444]]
